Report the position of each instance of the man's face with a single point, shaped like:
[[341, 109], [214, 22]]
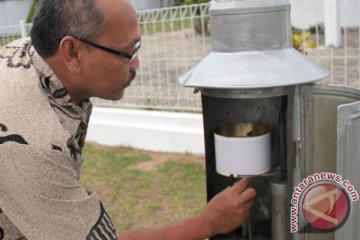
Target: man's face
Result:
[[106, 75]]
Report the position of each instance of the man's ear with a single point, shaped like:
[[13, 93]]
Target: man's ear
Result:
[[69, 51]]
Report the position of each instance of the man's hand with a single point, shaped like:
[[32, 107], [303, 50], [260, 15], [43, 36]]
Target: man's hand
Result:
[[230, 208], [225, 212]]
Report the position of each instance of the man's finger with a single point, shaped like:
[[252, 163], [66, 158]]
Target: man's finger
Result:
[[240, 186], [247, 206], [247, 195]]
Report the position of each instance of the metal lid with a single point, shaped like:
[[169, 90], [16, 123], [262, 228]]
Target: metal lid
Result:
[[253, 69], [249, 6], [252, 51]]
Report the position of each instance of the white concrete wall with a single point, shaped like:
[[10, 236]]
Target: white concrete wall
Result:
[[306, 13], [149, 130], [11, 12], [349, 13]]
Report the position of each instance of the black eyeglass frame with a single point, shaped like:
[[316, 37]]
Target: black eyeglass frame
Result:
[[113, 51]]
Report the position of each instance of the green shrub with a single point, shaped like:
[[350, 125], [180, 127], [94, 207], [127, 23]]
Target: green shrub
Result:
[[32, 11], [303, 40], [182, 2], [179, 2], [195, 1]]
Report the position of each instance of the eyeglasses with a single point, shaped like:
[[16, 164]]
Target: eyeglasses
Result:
[[131, 56]]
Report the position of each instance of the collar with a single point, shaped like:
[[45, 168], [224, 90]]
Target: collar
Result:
[[74, 118]]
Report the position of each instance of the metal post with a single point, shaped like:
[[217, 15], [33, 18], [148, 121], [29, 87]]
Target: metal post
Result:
[[278, 210], [332, 23], [23, 32]]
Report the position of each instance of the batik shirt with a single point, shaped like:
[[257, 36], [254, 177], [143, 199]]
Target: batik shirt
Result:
[[42, 133]]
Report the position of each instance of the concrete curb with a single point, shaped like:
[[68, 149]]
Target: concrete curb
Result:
[[149, 130]]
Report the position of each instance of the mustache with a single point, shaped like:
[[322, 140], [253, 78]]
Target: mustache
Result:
[[132, 75]]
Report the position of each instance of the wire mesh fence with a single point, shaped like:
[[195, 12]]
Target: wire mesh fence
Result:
[[13, 32], [343, 60], [9, 33], [175, 39]]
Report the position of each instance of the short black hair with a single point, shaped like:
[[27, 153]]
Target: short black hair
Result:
[[55, 19]]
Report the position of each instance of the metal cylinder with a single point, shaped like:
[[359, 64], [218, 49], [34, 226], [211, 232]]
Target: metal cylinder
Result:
[[250, 25], [278, 210]]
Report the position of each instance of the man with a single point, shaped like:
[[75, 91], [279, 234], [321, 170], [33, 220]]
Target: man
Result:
[[78, 49]]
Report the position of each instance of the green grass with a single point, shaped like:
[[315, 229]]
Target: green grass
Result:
[[136, 198]]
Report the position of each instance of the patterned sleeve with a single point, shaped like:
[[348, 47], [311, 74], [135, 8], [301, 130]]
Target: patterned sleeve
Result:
[[103, 228], [41, 194]]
